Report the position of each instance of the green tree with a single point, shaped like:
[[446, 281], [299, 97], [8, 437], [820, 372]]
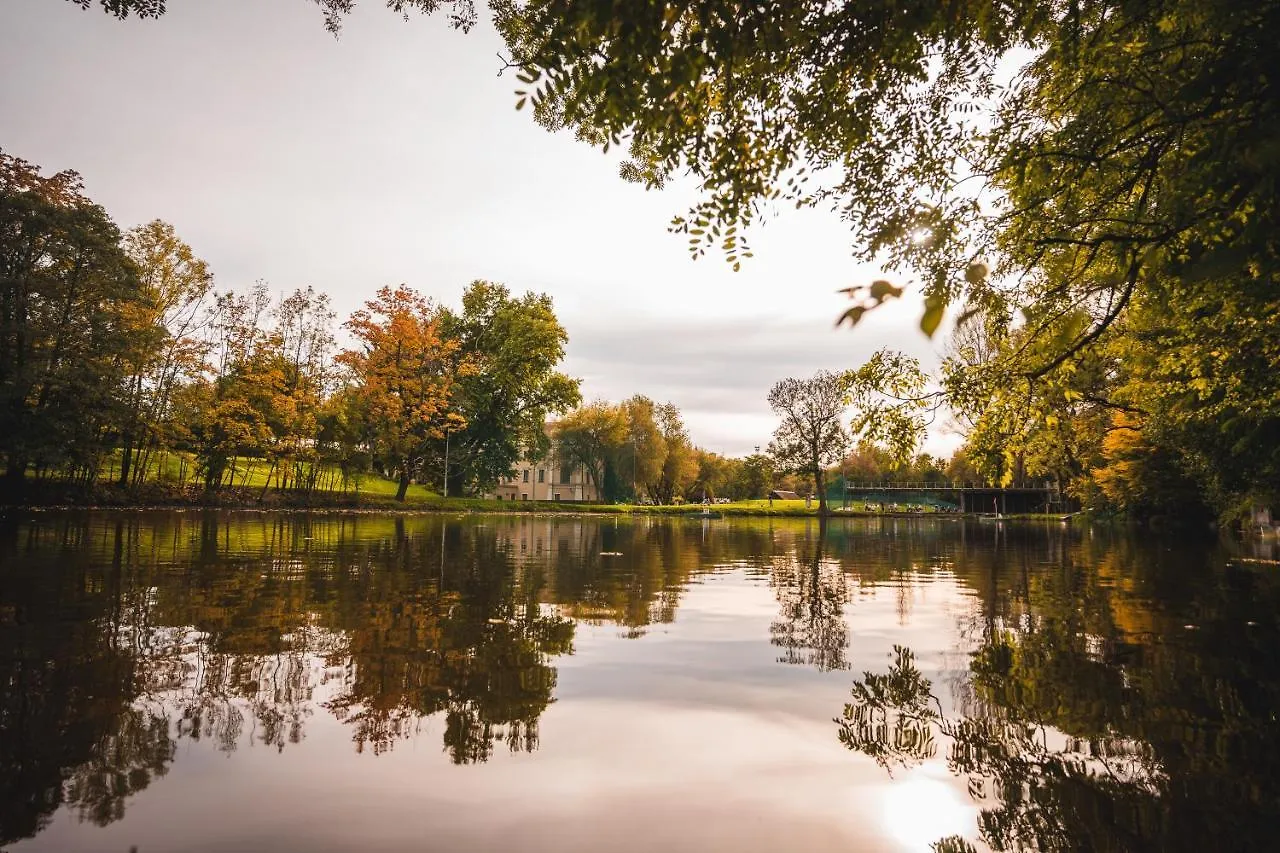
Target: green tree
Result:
[[69, 298], [590, 437], [891, 404], [228, 413], [514, 345], [640, 461], [715, 475], [303, 333], [961, 471], [165, 347], [755, 477], [811, 435], [680, 462]]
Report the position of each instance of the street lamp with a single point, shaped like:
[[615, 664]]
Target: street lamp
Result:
[[447, 430], [445, 491]]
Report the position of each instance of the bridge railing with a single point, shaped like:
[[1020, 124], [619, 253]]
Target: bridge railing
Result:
[[924, 486]]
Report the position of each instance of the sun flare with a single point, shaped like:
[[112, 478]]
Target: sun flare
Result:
[[920, 809]]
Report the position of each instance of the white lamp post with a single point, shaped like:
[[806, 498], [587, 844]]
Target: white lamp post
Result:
[[445, 490]]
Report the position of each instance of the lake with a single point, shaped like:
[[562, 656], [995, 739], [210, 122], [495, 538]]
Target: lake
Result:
[[208, 681]]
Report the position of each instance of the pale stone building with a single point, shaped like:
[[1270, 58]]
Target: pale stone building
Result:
[[547, 479]]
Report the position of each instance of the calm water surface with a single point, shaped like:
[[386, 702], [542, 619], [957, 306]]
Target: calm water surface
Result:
[[244, 681]]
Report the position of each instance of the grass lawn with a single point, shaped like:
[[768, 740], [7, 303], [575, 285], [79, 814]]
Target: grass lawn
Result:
[[747, 507], [179, 469], [174, 478]]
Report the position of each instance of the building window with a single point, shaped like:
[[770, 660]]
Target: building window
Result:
[[524, 496], [542, 478], [557, 497], [566, 473], [526, 475]]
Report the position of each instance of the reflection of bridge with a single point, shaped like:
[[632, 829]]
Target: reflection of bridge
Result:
[[965, 497]]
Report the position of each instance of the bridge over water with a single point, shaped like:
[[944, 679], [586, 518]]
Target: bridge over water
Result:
[[963, 496]]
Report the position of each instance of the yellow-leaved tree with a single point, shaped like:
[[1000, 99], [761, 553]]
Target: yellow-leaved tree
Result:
[[404, 373]]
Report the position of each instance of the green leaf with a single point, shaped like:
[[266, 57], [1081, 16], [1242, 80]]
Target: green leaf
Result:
[[882, 290], [933, 310], [976, 273], [852, 316]]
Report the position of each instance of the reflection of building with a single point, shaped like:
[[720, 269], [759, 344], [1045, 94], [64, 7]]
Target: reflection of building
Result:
[[548, 479], [535, 539]]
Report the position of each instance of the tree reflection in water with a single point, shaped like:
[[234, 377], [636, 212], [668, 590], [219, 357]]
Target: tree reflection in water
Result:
[[1096, 719], [118, 643], [811, 591], [1118, 696], [120, 640], [68, 733]]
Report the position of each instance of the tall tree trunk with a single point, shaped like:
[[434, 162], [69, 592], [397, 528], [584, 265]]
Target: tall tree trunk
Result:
[[142, 461], [132, 420], [819, 482], [266, 484], [126, 460], [404, 483]]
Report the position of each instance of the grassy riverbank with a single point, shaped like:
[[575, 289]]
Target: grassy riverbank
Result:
[[254, 484], [377, 494]]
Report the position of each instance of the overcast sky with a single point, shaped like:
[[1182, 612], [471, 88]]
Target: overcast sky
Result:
[[395, 154]]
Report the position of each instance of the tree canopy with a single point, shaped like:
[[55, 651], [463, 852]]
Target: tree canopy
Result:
[[462, 13]]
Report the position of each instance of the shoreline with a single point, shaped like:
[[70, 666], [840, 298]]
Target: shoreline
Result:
[[479, 506], [156, 497]]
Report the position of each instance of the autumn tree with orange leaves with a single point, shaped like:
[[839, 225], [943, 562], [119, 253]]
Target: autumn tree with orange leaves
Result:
[[404, 373]]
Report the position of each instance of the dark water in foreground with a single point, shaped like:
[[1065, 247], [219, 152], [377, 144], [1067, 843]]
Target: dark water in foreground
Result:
[[218, 682]]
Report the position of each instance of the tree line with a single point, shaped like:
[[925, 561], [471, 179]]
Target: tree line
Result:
[[120, 360], [864, 425], [639, 451]]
